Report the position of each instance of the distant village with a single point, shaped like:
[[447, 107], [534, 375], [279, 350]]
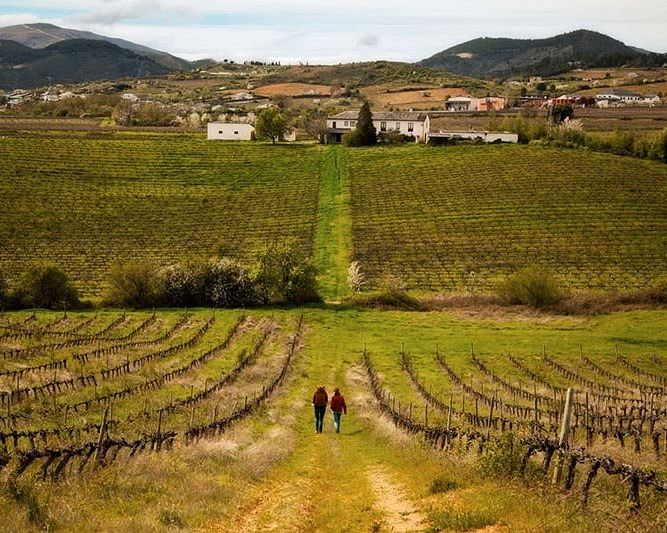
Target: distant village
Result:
[[231, 115]]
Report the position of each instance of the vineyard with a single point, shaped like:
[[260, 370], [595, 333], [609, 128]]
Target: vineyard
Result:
[[89, 397], [87, 201], [76, 391], [464, 217], [438, 219]]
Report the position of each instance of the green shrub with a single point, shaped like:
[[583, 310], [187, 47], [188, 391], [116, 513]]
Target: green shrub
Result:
[[282, 273], [657, 292], [4, 289], [352, 139], [134, 284], [227, 284], [532, 286], [45, 286], [183, 284], [394, 137]]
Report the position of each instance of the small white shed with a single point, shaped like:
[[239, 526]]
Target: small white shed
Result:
[[230, 131]]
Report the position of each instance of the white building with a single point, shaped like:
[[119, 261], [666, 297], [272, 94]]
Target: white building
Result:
[[230, 131], [409, 123], [461, 103], [486, 136], [621, 98]]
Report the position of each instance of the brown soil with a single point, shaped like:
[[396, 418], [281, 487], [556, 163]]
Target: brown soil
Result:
[[400, 513]]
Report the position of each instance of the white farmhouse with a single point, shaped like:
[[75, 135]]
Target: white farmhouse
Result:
[[618, 98], [230, 131], [409, 123], [489, 137]]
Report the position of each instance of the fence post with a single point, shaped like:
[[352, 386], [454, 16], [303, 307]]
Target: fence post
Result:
[[449, 421], [564, 433], [100, 437]]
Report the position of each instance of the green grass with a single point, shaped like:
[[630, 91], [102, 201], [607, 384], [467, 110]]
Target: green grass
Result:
[[463, 217], [333, 238]]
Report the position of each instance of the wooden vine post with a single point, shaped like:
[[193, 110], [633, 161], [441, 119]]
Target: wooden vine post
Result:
[[100, 438], [564, 434]]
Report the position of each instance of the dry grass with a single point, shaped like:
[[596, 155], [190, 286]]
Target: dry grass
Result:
[[403, 96]]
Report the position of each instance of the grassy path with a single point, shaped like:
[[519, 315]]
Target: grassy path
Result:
[[333, 236]]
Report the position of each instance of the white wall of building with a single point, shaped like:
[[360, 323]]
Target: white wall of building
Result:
[[417, 129], [230, 131]]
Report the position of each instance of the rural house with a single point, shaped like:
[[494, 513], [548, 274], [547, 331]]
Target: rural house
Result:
[[622, 97], [409, 123], [230, 131], [468, 103]]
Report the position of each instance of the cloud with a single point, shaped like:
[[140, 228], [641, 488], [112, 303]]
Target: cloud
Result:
[[110, 13], [11, 20], [346, 30], [369, 40]]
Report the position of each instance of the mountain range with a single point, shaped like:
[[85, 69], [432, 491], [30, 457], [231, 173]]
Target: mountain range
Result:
[[500, 57], [71, 61], [34, 55], [44, 35]]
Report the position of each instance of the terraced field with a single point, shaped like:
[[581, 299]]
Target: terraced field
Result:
[[463, 217], [87, 201]]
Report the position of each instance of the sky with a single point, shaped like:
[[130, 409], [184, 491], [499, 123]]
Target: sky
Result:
[[339, 31]]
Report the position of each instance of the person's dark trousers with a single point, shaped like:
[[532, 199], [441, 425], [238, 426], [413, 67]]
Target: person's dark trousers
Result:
[[336, 417], [319, 417]]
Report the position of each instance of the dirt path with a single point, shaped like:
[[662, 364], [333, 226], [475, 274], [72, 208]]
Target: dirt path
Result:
[[400, 514]]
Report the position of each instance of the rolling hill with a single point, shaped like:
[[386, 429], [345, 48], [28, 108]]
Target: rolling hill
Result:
[[499, 57], [44, 35], [70, 61]]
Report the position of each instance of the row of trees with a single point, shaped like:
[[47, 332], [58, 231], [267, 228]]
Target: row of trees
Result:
[[278, 273], [570, 133]]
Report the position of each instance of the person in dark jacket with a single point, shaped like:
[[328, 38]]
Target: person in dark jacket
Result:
[[338, 407], [320, 402]]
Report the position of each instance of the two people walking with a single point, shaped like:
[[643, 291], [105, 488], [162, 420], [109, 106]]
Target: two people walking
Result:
[[320, 403]]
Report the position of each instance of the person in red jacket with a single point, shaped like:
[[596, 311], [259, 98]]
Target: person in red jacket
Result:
[[338, 407], [320, 402]]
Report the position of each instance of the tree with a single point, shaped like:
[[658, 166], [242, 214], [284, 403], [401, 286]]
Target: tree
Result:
[[524, 91], [282, 272], [365, 129], [46, 286], [134, 284], [561, 113], [272, 124], [315, 124], [541, 87]]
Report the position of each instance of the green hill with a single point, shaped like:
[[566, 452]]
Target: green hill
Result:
[[499, 57], [42, 35], [70, 61]]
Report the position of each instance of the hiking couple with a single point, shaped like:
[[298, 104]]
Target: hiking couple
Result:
[[320, 402]]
